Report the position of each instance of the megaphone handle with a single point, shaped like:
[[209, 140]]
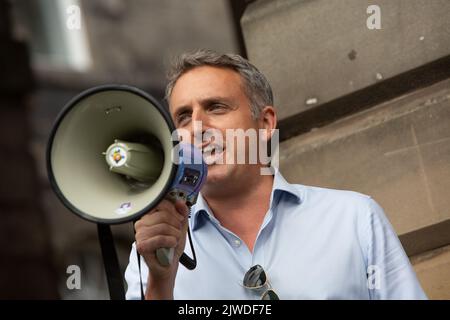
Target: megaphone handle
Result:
[[165, 255]]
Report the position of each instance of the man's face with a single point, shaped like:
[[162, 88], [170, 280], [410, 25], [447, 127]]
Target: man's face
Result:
[[216, 97]]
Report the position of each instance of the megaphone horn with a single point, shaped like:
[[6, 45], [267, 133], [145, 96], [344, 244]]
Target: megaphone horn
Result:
[[110, 157]]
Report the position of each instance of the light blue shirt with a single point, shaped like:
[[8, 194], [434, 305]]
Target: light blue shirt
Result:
[[314, 243]]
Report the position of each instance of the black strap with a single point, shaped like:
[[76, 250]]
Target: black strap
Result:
[[111, 263], [140, 275], [185, 260], [139, 265]]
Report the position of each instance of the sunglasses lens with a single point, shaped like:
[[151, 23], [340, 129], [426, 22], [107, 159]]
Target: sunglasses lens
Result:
[[270, 295], [255, 277]]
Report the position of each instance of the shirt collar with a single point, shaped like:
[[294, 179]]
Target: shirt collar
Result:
[[199, 210], [280, 186]]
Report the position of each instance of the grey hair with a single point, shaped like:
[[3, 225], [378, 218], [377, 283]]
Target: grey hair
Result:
[[256, 86]]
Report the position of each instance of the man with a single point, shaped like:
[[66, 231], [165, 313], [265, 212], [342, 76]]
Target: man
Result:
[[308, 242]]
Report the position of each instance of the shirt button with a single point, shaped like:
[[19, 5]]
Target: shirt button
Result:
[[237, 243]]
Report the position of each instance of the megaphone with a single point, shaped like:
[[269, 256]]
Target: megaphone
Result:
[[113, 155]]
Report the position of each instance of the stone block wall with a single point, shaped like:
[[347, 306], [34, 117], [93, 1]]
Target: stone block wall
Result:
[[366, 110]]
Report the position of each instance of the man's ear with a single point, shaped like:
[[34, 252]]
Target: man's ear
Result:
[[268, 121]]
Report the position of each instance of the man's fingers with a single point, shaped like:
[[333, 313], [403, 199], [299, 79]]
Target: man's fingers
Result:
[[149, 246], [182, 208], [164, 205], [159, 217], [178, 208], [158, 229], [179, 205]]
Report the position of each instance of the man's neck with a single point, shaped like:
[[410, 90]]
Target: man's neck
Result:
[[243, 211]]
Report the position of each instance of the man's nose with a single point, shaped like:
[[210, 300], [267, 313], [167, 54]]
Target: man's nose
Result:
[[199, 124], [198, 115]]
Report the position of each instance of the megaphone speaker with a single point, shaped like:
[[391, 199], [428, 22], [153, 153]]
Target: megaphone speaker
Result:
[[112, 157]]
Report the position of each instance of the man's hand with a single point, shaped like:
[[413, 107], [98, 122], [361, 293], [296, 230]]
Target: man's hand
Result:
[[163, 227]]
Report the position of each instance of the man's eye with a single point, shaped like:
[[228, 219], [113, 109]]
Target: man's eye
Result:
[[217, 107], [182, 118]]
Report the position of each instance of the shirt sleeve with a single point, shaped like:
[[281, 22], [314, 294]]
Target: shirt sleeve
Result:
[[389, 271], [132, 276]]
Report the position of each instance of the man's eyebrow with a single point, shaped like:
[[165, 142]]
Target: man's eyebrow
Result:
[[210, 100], [205, 102]]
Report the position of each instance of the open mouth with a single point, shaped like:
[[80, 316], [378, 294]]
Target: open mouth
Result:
[[213, 154]]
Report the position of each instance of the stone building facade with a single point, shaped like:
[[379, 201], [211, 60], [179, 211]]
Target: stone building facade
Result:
[[366, 109]]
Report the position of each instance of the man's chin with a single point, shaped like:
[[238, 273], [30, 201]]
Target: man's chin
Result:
[[217, 173]]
